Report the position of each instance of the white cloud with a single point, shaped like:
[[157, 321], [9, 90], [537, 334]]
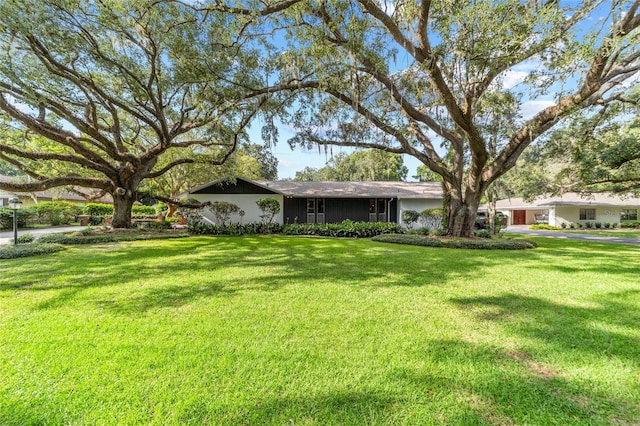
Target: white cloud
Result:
[[513, 78], [531, 108]]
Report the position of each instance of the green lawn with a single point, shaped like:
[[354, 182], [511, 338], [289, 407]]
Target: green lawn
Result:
[[620, 233], [312, 331]]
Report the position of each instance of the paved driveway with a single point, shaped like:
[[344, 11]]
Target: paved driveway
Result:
[[7, 236], [524, 230]]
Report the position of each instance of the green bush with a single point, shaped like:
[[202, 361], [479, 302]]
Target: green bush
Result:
[[144, 211], [457, 243], [269, 207], [346, 228], [152, 225], [563, 225], [223, 210], [482, 233], [25, 238], [56, 212], [235, 229], [544, 226], [80, 237], [588, 225], [598, 225], [98, 209], [572, 225], [26, 250], [614, 225], [23, 216], [410, 217], [629, 224]]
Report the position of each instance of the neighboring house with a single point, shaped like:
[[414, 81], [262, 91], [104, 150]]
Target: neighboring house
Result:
[[32, 198], [571, 208], [322, 202]]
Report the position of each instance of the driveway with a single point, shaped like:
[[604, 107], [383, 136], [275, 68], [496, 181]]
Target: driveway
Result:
[[524, 230], [7, 236]]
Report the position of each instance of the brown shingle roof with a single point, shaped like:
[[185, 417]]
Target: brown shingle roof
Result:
[[356, 189]]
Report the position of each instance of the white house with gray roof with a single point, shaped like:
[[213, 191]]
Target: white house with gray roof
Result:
[[571, 208], [322, 202]]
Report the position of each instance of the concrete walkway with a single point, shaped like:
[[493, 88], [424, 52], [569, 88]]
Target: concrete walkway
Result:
[[7, 236], [524, 230]]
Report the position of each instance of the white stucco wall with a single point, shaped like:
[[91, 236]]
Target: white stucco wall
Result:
[[246, 202], [571, 214], [418, 205]]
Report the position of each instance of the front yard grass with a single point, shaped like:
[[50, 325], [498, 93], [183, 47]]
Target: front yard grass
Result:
[[620, 233], [288, 330]]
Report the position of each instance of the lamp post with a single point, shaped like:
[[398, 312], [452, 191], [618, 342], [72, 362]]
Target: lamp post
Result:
[[14, 204]]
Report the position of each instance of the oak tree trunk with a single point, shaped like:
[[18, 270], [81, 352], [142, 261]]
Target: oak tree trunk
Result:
[[122, 205]]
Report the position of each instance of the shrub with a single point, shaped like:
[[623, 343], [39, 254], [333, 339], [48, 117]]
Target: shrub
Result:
[[269, 207], [458, 243], [614, 225], [410, 217], [346, 228], [588, 225], [98, 209], [572, 225], [223, 210], [152, 225], [235, 229], [564, 225], [544, 226], [109, 237], [191, 211], [56, 212], [431, 218], [25, 250], [579, 225], [482, 233], [96, 220], [598, 225], [25, 238], [23, 216], [144, 211]]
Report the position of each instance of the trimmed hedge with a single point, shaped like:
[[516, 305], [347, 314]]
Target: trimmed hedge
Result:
[[26, 250], [345, 229], [457, 243], [235, 229], [79, 237], [544, 227]]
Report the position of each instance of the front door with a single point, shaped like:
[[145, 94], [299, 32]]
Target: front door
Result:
[[519, 217]]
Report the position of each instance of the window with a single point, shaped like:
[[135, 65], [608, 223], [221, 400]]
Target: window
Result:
[[320, 205], [587, 214], [382, 205], [372, 205], [628, 215], [311, 205]]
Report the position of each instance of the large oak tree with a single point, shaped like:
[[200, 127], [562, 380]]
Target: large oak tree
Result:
[[429, 78], [120, 90]]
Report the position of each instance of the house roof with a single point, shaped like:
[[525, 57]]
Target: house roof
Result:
[[53, 194], [431, 190], [569, 199]]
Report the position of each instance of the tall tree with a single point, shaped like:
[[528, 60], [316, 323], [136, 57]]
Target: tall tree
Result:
[[411, 76], [592, 154], [115, 85], [365, 165]]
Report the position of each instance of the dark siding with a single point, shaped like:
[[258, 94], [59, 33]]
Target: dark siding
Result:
[[295, 208], [239, 187], [339, 209], [336, 210]]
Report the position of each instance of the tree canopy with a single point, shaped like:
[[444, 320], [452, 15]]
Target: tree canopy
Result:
[[365, 165], [121, 91], [450, 82]]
